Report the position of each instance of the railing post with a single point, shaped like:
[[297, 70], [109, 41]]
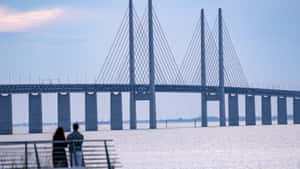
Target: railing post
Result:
[[107, 155], [37, 157], [26, 156]]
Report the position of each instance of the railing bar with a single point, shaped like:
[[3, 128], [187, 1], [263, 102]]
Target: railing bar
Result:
[[107, 156], [113, 158], [89, 151], [40, 149], [95, 154], [26, 157], [22, 167], [100, 163], [92, 146], [95, 163], [10, 148], [19, 163], [47, 141], [37, 157]]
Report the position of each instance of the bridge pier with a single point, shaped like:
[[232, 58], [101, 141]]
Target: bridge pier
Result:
[[91, 115], [116, 119], [250, 110], [266, 110], [233, 110], [282, 110], [132, 110], [152, 104], [64, 111], [296, 106], [35, 113], [204, 109], [6, 114]]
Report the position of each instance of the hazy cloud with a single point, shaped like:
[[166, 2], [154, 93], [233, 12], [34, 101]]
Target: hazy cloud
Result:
[[13, 21]]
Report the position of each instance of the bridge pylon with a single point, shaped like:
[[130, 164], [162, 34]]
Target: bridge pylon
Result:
[[221, 69], [132, 68], [203, 73], [152, 99], [219, 96], [141, 94]]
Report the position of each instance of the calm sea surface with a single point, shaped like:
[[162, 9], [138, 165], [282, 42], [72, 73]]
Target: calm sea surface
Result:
[[182, 147]]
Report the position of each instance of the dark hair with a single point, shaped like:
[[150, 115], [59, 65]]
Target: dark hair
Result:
[[75, 126], [60, 132]]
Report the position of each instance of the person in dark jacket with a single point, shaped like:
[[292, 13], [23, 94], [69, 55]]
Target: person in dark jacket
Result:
[[75, 140], [58, 149]]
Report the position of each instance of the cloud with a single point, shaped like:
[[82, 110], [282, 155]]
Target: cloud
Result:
[[12, 21]]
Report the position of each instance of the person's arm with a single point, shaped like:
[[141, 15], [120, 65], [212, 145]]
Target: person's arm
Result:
[[82, 138], [65, 144], [69, 138]]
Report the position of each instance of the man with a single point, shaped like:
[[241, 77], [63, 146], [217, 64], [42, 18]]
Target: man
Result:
[[75, 142]]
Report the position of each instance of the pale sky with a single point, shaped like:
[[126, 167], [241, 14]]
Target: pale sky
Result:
[[69, 40]]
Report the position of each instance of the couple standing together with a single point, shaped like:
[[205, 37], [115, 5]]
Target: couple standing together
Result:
[[74, 140]]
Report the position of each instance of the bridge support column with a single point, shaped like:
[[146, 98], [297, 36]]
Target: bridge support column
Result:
[[35, 113], [91, 115], [152, 111], [233, 110], [132, 110], [266, 110], [250, 110], [116, 117], [6, 114], [296, 104], [204, 109], [282, 110], [222, 110], [64, 111]]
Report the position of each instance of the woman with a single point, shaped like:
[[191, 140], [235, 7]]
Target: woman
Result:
[[58, 152]]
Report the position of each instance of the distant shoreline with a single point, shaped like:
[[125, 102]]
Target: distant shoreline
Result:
[[179, 120]]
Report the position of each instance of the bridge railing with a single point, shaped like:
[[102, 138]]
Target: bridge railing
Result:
[[40, 154]]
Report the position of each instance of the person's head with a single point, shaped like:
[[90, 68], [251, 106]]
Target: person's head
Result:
[[59, 132], [75, 126]]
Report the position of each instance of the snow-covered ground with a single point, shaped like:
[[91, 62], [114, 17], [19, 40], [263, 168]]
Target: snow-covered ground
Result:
[[182, 147]]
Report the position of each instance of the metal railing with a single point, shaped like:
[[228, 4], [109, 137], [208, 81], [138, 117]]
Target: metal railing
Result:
[[42, 154]]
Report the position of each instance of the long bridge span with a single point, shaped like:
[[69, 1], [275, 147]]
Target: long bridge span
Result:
[[73, 88], [141, 62]]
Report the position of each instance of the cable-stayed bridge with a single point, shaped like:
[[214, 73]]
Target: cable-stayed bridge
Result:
[[141, 62]]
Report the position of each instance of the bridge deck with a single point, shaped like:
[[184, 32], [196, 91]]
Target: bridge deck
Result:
[[54, 88]]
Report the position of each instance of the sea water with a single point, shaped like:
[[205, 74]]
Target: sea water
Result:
[[180, 146]]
